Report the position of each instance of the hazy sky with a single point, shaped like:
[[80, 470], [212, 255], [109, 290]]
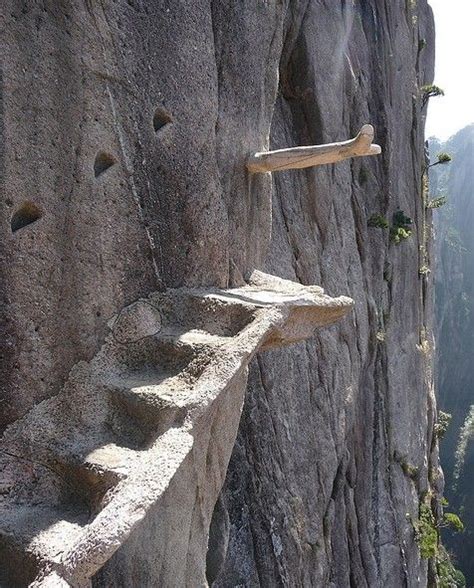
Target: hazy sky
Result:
[[454, 21]]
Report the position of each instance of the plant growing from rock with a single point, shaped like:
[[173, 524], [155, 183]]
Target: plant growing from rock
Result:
[[430, 91], [422, 44], [442, 159], [448, 575], [378, 221], [409, 470], [440, 428], [401, 227], [427, 536], [437, 202], [452, 520], [426, 532]]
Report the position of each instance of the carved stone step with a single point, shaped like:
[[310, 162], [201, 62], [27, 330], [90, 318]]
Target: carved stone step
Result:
[[32, 535], [138, 419], [111, 460], [200, 310], [192, 338]]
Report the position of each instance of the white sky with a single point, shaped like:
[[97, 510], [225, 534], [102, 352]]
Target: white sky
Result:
[[454, 20]]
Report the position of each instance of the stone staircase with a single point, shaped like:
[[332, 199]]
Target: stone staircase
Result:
[[82, 471]]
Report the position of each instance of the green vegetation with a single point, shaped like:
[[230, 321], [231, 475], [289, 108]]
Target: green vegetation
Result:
[[428, 538], [437, 202], [422, 44], [426, 532], [401, 228], [409, 470], [448, 575], [440, 428], [430, 91], [452, 520], [443, 158], [378, 221], [399, 234]]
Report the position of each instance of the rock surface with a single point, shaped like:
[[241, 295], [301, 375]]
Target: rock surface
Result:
[[316, 493], [127, 126], [138, 441]]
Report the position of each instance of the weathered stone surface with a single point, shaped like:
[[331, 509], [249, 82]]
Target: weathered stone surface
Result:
[[314, 493], [129, 124], [153, 417], [313, 155]]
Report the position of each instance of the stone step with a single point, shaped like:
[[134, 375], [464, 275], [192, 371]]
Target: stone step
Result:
[[204, 310], [110, 461], [197, 339], [170, 350], [153, 400], [31, 536], [154, 394]]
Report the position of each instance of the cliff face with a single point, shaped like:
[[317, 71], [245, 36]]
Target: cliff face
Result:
[[126, 127], [317, 491], [455, 330]]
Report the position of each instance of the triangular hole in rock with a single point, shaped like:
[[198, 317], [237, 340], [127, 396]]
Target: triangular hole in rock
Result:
[[102, 163], [28, 213], [160, 119]]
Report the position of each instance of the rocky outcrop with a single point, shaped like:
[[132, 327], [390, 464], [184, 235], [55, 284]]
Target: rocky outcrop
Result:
[[128, 126], [455, 330], [139, 440]]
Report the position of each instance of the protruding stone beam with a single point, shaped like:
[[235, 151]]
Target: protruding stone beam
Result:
[[301, 157]]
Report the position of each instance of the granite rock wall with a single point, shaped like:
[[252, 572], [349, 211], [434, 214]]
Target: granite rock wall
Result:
[[125, 129]]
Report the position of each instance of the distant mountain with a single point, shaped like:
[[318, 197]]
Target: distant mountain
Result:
[[454, 291]]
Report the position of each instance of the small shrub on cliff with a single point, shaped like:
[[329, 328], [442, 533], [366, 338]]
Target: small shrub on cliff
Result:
[[427, 537], [430, 91], [448, 575], [443, 158], [399, 234], [378, 221], [409, 470], [400, 220], [426, 533], [437, 202], [452, 520], [440, 428], [401, 228]]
